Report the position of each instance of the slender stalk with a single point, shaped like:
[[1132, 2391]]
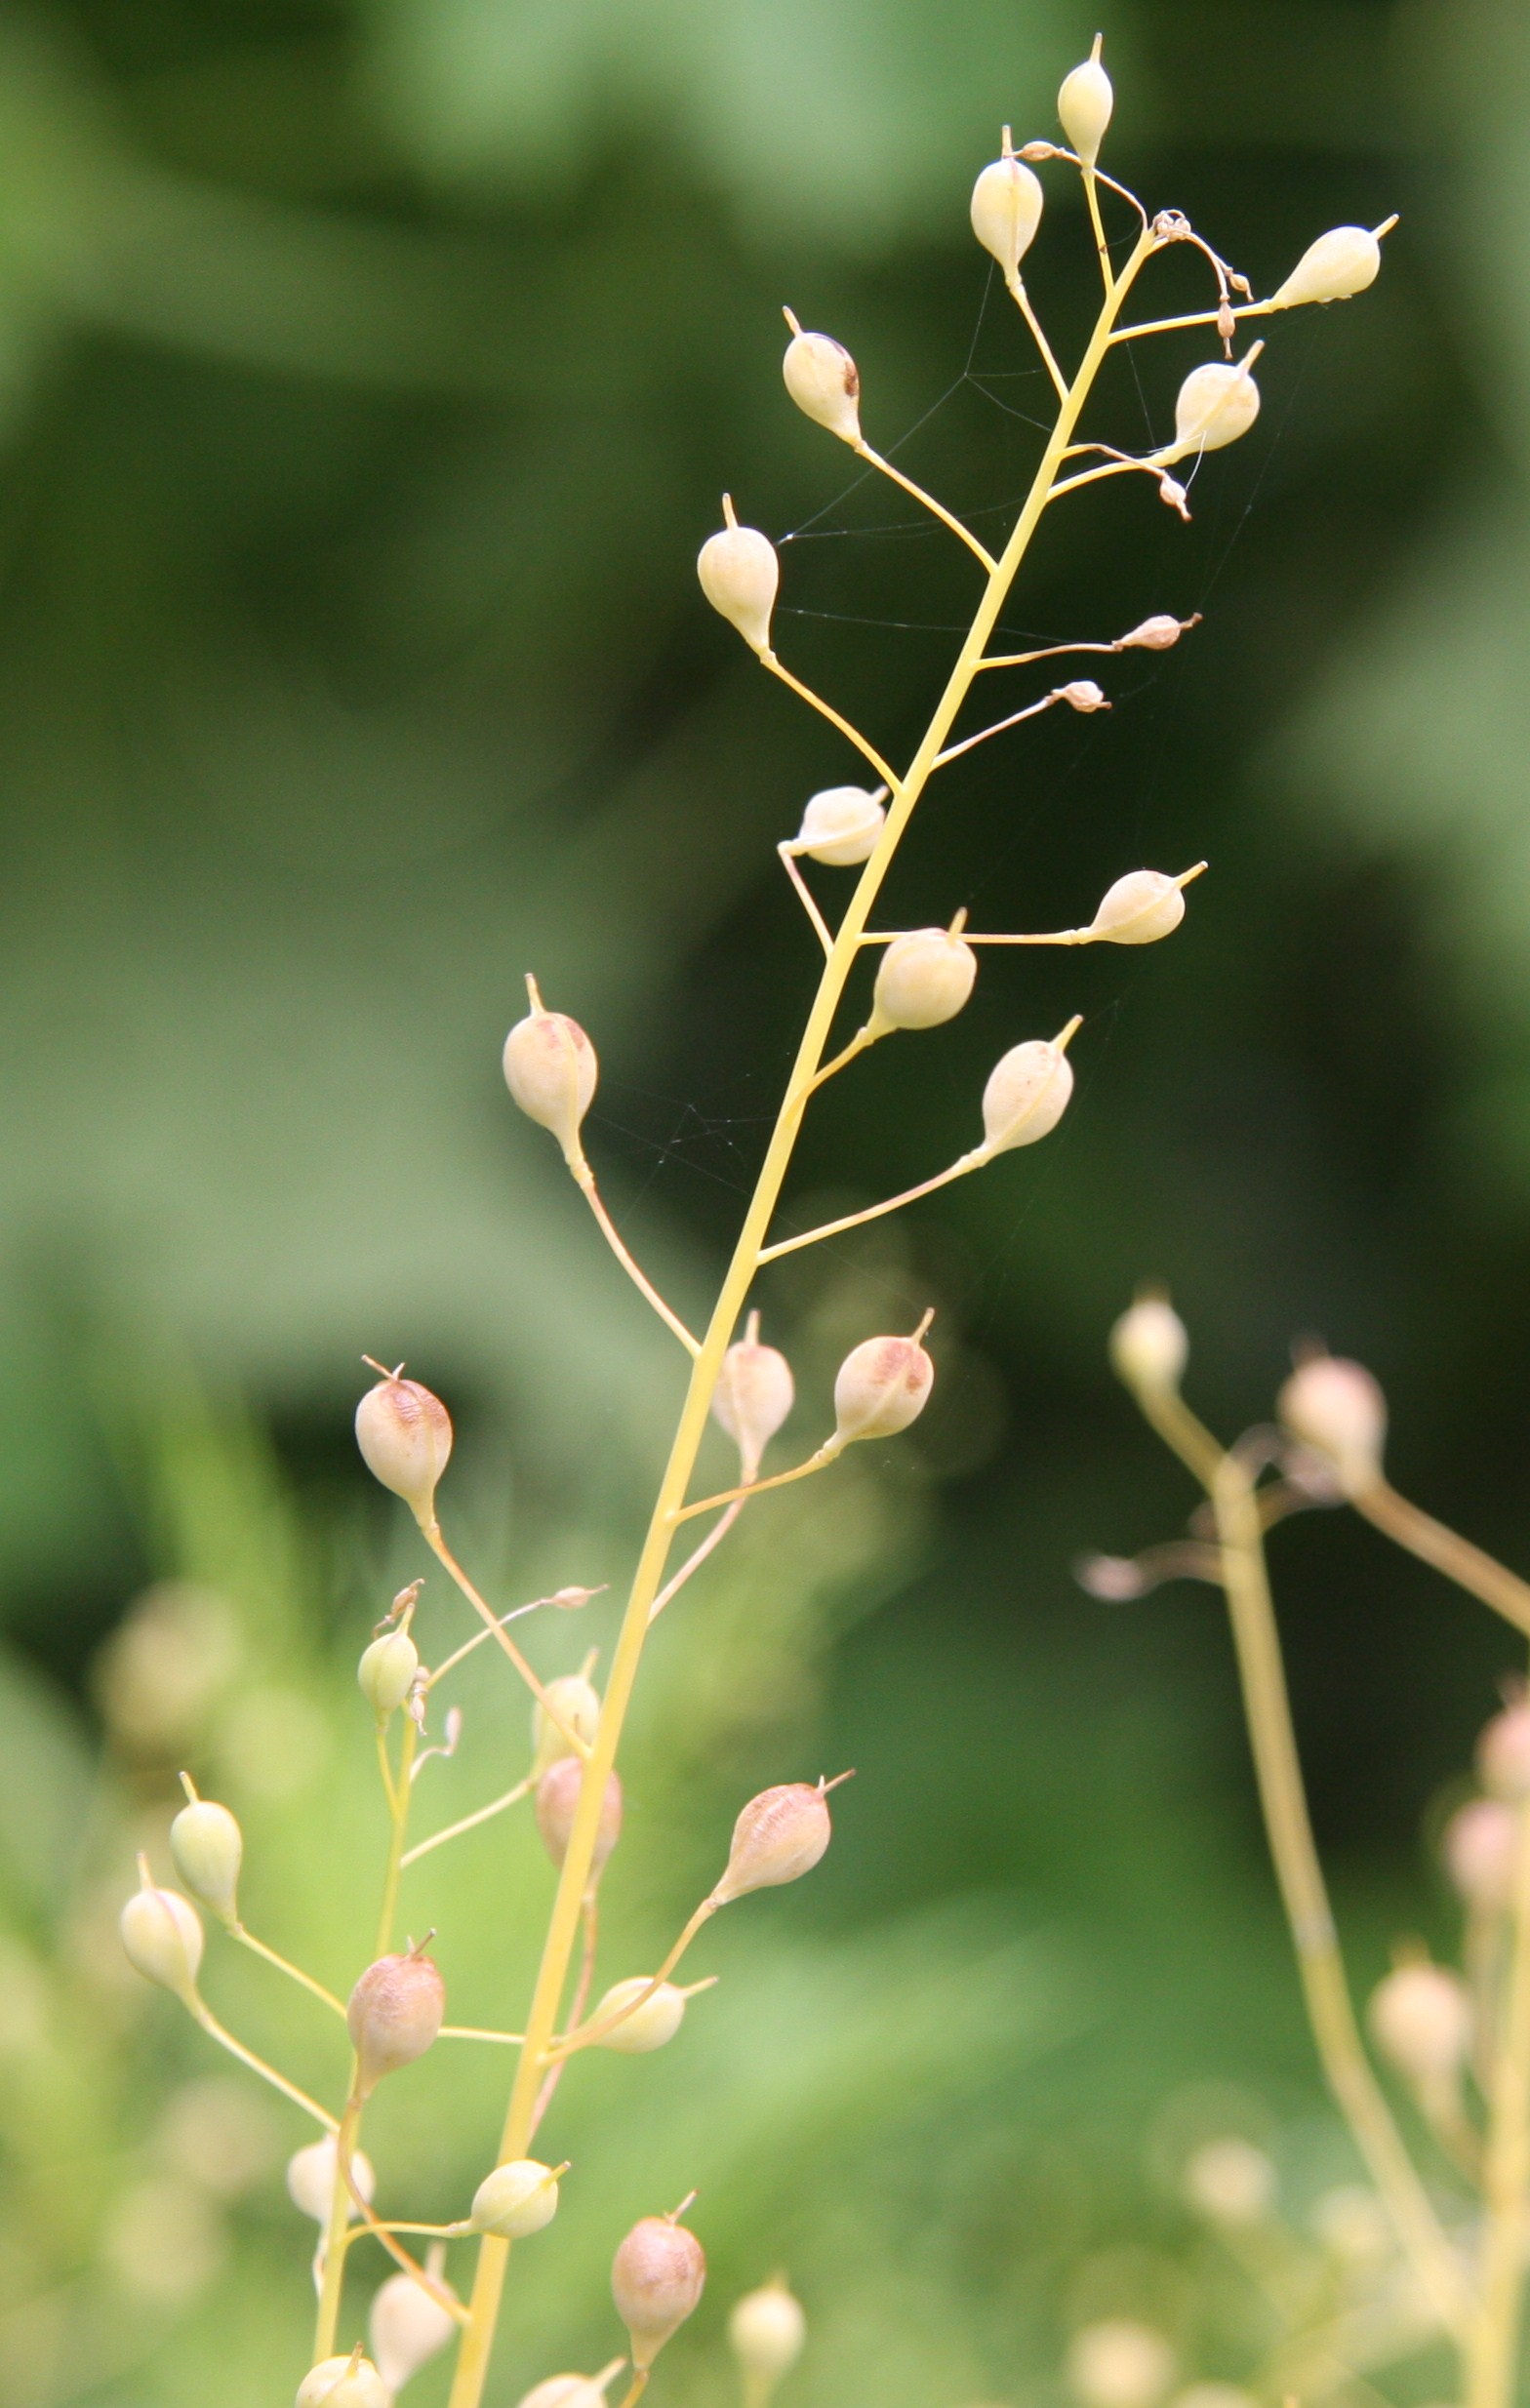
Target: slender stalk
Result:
[[1022, 300], [1197, 317], [827, 1455], [1480, 1574], [805, 898], [917, 493], [468, 1823], [295, 1973], [643, 1284], [872, 1211], [1493, 2347], [1033, 711], [694, 1562], [851, 735], [494, 1628], [214, 2031]]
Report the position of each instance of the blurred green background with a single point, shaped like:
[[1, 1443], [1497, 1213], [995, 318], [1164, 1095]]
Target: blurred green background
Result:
[[370, 372]]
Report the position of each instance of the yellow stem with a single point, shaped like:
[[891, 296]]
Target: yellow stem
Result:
[[598, 2026], [1197, 317], [1021, 299], [214, 2031], [1480, 1574], [872, 1211], [585, 1179], [853, 734], [470, 2031], [468, 1823], [864, 450], [827, 1455], [1092, 198], [295, 1973], [494, 1630], [1493, 2350], [805, 898], [694, 1562]]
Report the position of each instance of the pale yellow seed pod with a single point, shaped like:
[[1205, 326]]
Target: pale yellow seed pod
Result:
[[657, 2277], [552, 1071], [1006, 211], [407, 2326], [1026, 1094], [1342, 263], [1420, 2020], [578, 1704], [1230, 2182], [1139, 909], [753, 1396], [1336, 1408], [739, 573], [1480, 1846], [1083, 108], [394, 2015], [778, 1836], [344, 2383], [647, 2027], [515, 2200], [405, 1437], [1119, 2363], [387, 1672], [1352, 2224], [1503, 1754], [162, 1936], [1217, 403], [825, 382], [840, 826], [557, 1803], [568, 2391], [310, 2178], [208, 1845], [766, 2332], [882, 1385], [923, 978], [1150, 1346]]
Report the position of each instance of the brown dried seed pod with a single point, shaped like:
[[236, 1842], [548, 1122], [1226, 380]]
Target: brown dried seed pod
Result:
[[394, 2015], [779, 1835], [557, 1803]]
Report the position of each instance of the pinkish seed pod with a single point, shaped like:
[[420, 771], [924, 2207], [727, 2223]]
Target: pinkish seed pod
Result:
[[344, 2383], [1336, 1408], [657, 2277], [557, 1803], [840, 826], [393, 2014], [1026, 1097], [739, 573], [1157, 633], [405, 1437], [1420, 2020], [1480, 1845], [778, 1836], [577, 1704], [766, 2331], [310, 2178], [646, 2026], [1006, 211], [1082, 693], [1150, 1346], [1217, 403], [923, 978], [1503, 1754], [162, 1936], [208, 1846], [1119, 2363], [882, 1385], [1335, 267], [550, 1070], [515, 2200], [387, 1672], [408, 2326], [753, 1396], [1139, 909], [823, 382]]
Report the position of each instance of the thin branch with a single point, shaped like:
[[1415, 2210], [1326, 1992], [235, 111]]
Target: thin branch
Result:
[[872, 1211], [214, 2031], [471, 2032], [586, 1179], [450, 1662], [1032, 710], [1092, 198], [804, 897], [1021, 299], [693, 1563], [1480, 1574], [1197, 317], [494, 1630], [864, 450], [468, 1823], [295, 1973], [862, 745], [587, 1974], [585, 2036], [1493, 2350], [827, 1455]]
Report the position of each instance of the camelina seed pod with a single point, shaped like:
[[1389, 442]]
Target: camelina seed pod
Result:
[[406, 2325], [1026, 1094], [1420, 2020], [1119, 2363], [657, 2278], [739, 573], [1157, 633], [550, 1070], [387, 1672], [208, 1845], [1083, 694], [1230, 2182], [1503, 1754], [572, 2390], [1150, 1345], [162, 1936], [515, 2200], [393, 2014], [1336, 1408], [753, 1396], [882, 1385], [1139, 909], [405, 1437], [310, 2178], [1083, 107], [923, 978], [823, 382], [766, 2331], [648, 2025], [1480, 1845], [840, 826], [557, 1803], [577, 1704], [1339, 265], [1006, 211], [344, 2383], [1217, 403], [778, 1836]]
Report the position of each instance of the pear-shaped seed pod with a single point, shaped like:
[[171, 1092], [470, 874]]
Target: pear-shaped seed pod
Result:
[[779, 1835], [577, 1704], [752, 1398], [1336, 1407], [1027, 1095], [570, 2390], [407, 2326], [1006, 211], [405, 1437], [1480, 1846], [1083, 694], [1156, 634], [823, 382], [394, 2015], [557, 1803], [310, 2178], [551, 1069], [1339, 265], [344, 2383], [924, 978], [1139, 909], [766, 2331], [387, 1672], [207, 1845], [1420, 2020], [1118, 2363], [1230, 2182], [515, 2199], [1083, 107], [882, 1385], [739, 573], [840, 826], [1217, 403], [1150, 1345], [657, 2277], [1503, 1754], [648, 2025], [162, 1936]]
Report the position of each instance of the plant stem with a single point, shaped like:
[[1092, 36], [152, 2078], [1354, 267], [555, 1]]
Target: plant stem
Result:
[[640, 1280], [494, 1628], [468, 1823], [1480, 1574], [214, 2031], [1493, 2350], [248, 1939]]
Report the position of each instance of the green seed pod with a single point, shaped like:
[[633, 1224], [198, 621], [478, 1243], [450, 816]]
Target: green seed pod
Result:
[[387, 1672], [646, 2026], [207, 1845], [766, 2331], [515, 2200]]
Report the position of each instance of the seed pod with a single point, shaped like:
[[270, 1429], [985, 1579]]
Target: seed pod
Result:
[[1420, 2020], [1157, 633], [1119, 2363], [550, 1070], [1481, 1844], [1150, 1346], [407, 2327], [557, 1803], [753, 1396], [515, 2199], [1139, 909], [344, 2383], [578, 1705], [1083, 107], [571, 2391], [394, 2015], [1503, 1754], [207, 1845], [882, 1385], [1026, 1097], [1082, 693], [1006, 211], [162, 1935], [1339, 265], [656, 2281], [387, 1672], [924, 978], [766, 2330], [310, 2178], [840, 826], [739, 573], [1336, 1408], [823, 382], [405, 1437], [779, 1835], [647, 2027], [1231, 2182], [1217, 403]]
